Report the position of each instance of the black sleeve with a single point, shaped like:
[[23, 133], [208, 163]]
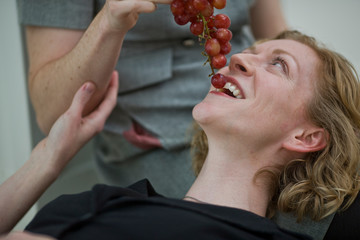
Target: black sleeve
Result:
[[345, 225]]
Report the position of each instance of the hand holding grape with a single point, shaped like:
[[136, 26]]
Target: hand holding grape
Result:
[[122, 15], [212, 30]]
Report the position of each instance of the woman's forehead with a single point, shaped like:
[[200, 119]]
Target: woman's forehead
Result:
[[293, 47]]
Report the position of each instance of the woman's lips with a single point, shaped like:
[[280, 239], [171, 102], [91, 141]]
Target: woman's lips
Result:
[[231, 89]]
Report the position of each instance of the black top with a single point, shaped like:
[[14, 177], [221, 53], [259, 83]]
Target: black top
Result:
[[346, 224], [138, 212]]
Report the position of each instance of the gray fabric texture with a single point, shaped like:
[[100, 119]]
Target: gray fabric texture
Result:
[[307, 226]]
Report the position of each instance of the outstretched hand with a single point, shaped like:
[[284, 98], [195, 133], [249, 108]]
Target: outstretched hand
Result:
[[73, 130], [68, 134]]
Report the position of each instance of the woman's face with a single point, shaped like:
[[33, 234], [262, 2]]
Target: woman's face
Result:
[[273, 82]]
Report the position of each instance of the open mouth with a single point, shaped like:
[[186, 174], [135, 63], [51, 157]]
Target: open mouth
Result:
[[231, 90]]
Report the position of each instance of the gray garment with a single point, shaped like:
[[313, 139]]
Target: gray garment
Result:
[[315, 229], [164, 168]]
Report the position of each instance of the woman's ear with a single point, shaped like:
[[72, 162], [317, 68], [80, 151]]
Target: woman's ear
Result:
[[309, 140]]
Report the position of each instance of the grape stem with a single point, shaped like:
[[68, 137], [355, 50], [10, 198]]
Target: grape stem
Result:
[[206, 35]]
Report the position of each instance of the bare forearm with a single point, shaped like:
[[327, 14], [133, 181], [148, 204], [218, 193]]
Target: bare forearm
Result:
[[92, 59], [22, 190], [67, 136], [267, 19]]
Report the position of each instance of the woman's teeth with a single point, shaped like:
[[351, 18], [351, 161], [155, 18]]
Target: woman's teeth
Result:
[[233, 89], [223, 84]]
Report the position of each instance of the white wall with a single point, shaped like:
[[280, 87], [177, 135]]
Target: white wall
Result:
[[15, 128], [332, 21], [15, 143]]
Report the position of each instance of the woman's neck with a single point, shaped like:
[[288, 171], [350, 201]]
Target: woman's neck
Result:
[[231, 182]]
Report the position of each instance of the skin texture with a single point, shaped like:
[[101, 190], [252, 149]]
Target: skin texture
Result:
[[267, 18], [25, 236]]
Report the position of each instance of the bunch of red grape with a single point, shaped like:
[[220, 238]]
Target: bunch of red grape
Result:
[[213, 31]]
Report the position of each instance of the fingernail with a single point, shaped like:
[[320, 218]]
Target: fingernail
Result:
[[88, 87]]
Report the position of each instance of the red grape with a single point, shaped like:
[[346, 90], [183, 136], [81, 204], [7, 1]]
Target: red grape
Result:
[[211, 30], [177, 7], [197, 28], [223, 35], [200, 4], [222, 21], [225, 48], [182, 19], [212, 47], [190, 9], [218, 80], [207, 11], [218, 61], [218, 4]]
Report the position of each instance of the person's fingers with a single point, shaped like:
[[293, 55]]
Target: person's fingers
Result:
[[82, 96], [99, 116], [162, 1], [109, 102], [137, 6]]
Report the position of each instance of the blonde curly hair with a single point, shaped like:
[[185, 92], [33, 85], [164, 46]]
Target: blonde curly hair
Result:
[[328, 180]]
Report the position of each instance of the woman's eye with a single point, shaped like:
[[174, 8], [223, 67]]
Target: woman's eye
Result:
[[280, 63]]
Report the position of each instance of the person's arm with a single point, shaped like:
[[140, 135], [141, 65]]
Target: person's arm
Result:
[[267, 19], [69, 133], [61, 60], [25, 236]]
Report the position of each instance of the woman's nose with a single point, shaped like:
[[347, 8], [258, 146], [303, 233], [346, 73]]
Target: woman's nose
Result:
[[243, 63]]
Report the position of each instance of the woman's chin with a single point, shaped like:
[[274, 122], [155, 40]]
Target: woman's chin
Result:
[[202, 113]]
